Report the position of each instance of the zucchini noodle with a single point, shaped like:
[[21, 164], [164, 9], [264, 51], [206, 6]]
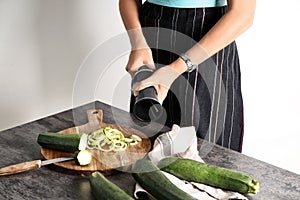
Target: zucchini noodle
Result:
[[110, 139]]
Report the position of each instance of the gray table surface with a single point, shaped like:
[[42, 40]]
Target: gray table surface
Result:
[[19, 144]]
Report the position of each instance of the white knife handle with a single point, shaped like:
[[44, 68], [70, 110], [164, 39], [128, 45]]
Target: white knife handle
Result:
[[21, 167]]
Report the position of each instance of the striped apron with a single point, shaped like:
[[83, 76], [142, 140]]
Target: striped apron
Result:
[[208, 98]]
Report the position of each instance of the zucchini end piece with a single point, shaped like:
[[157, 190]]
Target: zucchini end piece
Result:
[[83, 157], [253, 187]]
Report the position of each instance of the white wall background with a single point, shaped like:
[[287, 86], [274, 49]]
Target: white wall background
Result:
[[43, 46], [271, 85]]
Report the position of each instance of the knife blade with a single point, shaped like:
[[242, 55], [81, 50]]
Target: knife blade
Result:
[[26, 166]]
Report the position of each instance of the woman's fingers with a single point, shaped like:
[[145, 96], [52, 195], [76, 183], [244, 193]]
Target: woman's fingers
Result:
[[153, 81], [138, 58], [161, 80]]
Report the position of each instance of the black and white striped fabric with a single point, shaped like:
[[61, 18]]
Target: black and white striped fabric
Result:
[[209, 98]]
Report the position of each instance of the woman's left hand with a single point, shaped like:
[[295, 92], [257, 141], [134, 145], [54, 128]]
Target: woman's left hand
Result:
[[162, 79]]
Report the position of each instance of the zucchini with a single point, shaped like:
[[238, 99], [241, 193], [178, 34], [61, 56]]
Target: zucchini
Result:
[[195, 171], [60, 141], [103, 189], [83, 157], [150, 178]]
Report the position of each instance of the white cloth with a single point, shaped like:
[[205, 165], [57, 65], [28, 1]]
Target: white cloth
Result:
[[182, 142]]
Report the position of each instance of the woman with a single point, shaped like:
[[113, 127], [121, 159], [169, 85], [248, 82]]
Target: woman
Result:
[[183, 78]]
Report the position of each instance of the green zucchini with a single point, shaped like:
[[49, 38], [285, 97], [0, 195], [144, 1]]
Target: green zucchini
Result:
[[195, 171], [60, 141], [103, 189], [150, 178]]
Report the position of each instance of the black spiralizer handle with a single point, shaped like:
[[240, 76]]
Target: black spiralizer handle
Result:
[[146, 107]]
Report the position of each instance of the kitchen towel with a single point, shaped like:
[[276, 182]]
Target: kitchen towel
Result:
[[182, 142]]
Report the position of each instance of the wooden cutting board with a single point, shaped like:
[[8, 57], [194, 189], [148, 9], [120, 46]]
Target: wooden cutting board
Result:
[[105, 162]]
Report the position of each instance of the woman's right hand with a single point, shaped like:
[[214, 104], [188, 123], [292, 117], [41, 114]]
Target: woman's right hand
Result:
[[138, 58]]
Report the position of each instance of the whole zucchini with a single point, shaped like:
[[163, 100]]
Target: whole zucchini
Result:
[[195, 171], [103, 189], [60, 141], [150, 178]]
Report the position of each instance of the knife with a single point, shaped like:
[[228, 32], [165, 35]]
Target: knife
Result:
[[35, 164]]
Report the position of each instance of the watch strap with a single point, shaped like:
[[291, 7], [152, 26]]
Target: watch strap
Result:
[[188, 62]]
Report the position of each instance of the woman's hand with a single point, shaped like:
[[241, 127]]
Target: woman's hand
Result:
[[138, 58], [140, 53], [162, 79]]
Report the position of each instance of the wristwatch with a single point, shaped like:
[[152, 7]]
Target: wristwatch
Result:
[[188, 62]]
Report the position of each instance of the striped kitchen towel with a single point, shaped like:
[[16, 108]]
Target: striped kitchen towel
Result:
[[179, 142]]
